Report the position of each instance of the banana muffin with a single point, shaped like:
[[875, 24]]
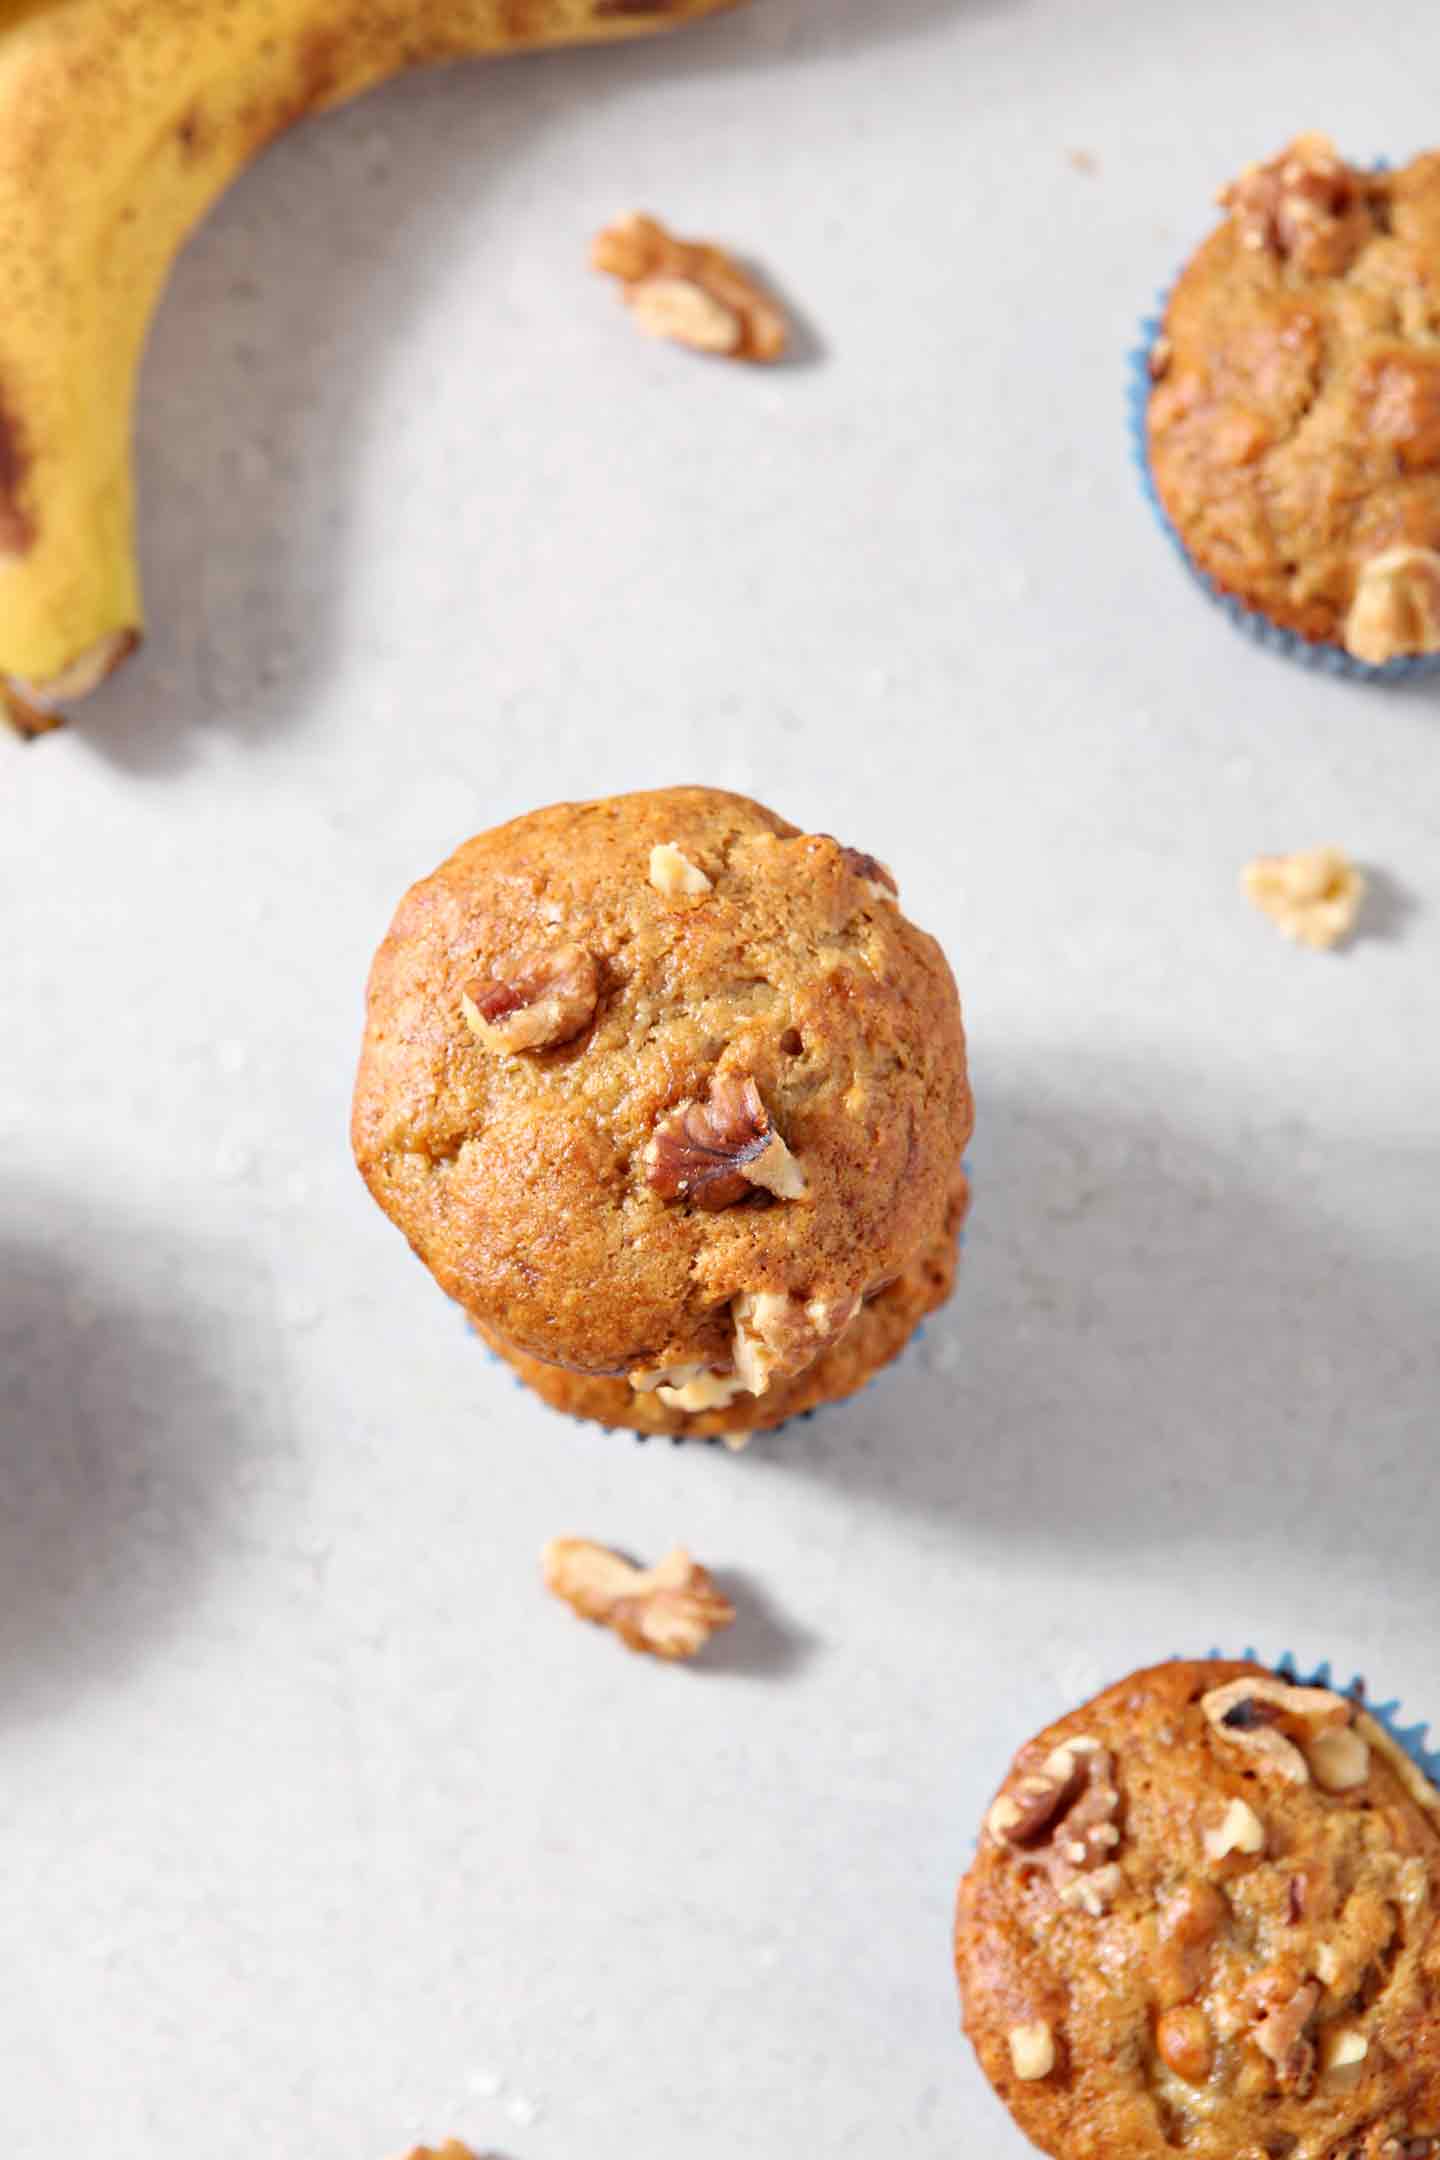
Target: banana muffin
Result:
[[671, 1098], [1293, 429], [1205, 1918]]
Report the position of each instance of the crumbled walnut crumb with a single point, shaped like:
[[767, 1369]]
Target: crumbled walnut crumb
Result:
[[669, 1611], [691, 1388], [674, 875], [1032, 2050], [542, 1000], [714, 1152], [1313, 896], [691, 292], [1240, 1830], [1396, 608], [1094, 1893]]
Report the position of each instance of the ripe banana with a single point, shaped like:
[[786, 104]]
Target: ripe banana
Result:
[[121, 121]]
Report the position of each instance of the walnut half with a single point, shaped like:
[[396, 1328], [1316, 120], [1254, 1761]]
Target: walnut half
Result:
[[544, 999], [668, 1611], [690, 292], [715, 1152]]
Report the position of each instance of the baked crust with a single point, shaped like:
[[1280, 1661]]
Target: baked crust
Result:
[[1276, 1936], [1294, 427]]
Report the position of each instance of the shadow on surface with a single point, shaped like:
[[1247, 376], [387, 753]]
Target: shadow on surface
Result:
[[119, 1449], [267, 362], [763, 1644], [1387, 908], [1155, 1340]]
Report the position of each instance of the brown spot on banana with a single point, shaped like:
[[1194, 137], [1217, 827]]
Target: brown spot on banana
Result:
[[17, 529]]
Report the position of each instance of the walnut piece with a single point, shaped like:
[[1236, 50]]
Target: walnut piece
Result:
[[1032, 2050], [1344, 2048], [544, 999], [1306, 206], [1062, 1817], [714, 1152], [668, 1611], [1396, 608], [690, 291], [674, 875], [1313, 896], [1339, 1759], [1239, 1830], [690, 1388], [1251, 1712], [777, 1335]]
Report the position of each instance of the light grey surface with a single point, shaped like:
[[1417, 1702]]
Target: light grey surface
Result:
[[323, 1827]]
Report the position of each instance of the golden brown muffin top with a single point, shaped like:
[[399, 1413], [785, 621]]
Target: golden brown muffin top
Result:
[[660, 1084], [1294, 427], [1205, 1918]]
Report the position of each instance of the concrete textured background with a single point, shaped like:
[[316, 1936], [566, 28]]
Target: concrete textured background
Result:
[[324, 1828]]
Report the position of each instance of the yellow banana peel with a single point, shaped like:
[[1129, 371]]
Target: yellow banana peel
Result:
[[121, 121]]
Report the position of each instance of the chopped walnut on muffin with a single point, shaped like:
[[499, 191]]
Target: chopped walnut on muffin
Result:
[[1260, 1972]]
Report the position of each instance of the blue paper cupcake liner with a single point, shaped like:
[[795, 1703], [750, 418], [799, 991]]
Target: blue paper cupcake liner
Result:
[[1413, 1740], [1328, 659]]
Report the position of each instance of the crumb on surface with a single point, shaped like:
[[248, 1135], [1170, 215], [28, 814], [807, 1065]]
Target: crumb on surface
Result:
[[1313, 896]]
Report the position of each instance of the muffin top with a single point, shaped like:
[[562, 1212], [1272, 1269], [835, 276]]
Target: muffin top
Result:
[[1294, 427], [660, 1086], [1205, 1918]]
